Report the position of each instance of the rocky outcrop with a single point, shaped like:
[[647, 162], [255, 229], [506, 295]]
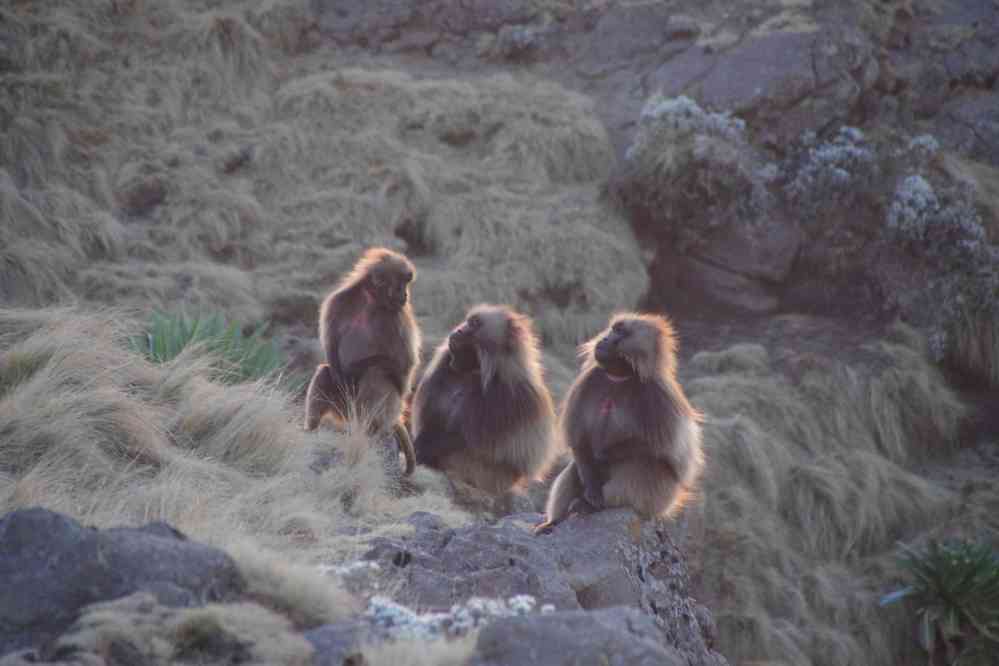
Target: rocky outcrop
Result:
[[605, 588], [52, 567], [607, 560], [881, 225]]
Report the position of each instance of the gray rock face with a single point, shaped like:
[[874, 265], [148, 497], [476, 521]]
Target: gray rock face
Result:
[[648, 25], [946, 70], [51, 567], [440, 567], [601, 561], [687, 284], [610, 637], [788, 81], [762, 252], [970, 124]]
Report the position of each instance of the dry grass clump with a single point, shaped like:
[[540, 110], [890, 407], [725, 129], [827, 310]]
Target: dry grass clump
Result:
[[291, 589], [45, 236], [199, 287], [975, 348], [92, 430], [136, 629], [224, 44], [809, 486], [289, 25]]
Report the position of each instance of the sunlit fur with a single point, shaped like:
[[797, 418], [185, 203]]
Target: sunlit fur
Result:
[[375, 260], [651, 352], [508, 352], [655, 485], [378, 400]]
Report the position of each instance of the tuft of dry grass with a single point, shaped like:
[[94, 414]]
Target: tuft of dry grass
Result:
[[975, 348], [136, 629], [95, 431], [290, 589], [46, 235]]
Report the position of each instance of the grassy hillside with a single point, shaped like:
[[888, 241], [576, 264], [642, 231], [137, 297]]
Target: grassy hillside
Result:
[[189, 153], [94, 430], [205, 155], [811, 484]]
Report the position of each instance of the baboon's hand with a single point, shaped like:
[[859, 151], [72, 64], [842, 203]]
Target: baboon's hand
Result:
[[543, 528]]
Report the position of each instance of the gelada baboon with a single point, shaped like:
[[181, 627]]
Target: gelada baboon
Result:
[[372, 342], [482, 413], [635, 439]]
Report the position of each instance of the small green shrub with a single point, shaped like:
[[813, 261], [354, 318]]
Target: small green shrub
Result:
[[240, 358], [956, 589]]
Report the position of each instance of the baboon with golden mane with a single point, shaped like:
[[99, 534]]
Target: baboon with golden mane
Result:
[[482, 413], [372, 346], [635, 439]]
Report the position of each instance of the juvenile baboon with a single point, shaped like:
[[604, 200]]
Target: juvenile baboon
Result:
[[635, 439], [372, 342], [482, 413]]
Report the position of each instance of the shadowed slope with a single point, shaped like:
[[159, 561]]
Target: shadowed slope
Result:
[[810, 483]]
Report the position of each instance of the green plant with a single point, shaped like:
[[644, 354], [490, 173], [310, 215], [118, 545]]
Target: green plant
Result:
[[956, 588], [239, 357]]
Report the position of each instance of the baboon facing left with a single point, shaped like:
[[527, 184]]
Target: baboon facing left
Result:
[[482, 413], [371, 341], [635, 439]]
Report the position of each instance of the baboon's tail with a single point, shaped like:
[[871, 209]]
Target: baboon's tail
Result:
[[406, 446], [566, 488]]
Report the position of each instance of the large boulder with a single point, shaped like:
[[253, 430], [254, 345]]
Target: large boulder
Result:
[[601, 561], [616, 636], [438, 567], [803, 77], [693, 184], [51, 567]]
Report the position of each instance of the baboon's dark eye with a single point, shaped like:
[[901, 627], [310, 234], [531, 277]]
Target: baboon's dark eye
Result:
[[475, 321], [409, 277], [619, 328]]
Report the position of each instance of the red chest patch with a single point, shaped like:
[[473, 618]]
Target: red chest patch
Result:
[[360, 320], [606, 407]]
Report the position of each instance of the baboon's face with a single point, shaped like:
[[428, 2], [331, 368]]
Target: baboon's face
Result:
[[463, 341], [620, 348], [484, 329], [389, 285]]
